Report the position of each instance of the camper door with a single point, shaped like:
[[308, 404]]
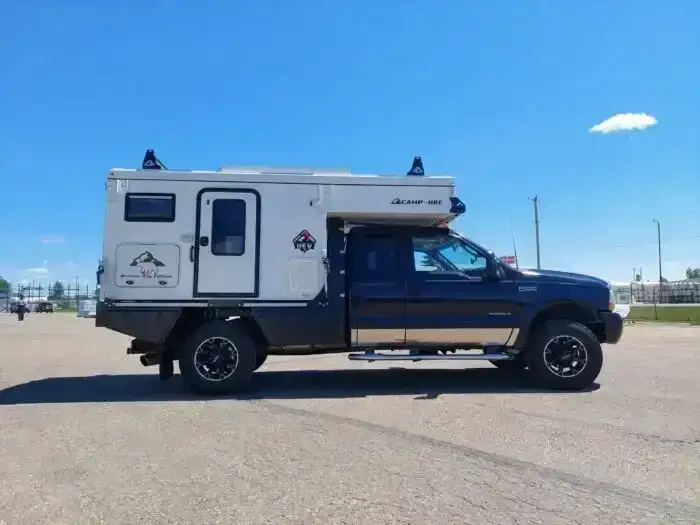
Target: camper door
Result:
[[227, 245]]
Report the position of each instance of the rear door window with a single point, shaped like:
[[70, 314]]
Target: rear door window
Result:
[[228, 227], [376, 258]]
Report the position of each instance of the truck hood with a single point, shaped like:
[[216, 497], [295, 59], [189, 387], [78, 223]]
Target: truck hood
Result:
[[561, 277]]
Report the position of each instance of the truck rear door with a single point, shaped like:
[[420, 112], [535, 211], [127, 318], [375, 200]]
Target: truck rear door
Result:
[[377, 286]]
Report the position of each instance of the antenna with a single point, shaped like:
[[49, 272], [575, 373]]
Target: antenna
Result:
[[515, 250], [535, 201]]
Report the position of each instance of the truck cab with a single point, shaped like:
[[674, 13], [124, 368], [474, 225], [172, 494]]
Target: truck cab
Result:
[[221, 271], [436, 292]]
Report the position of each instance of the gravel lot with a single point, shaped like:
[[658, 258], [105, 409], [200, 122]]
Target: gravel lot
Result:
[[87, 435]]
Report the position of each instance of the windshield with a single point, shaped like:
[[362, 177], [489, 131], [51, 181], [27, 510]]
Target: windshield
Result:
[[447, 253]]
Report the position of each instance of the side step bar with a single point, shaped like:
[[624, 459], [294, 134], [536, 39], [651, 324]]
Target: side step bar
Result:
[[378, 356]]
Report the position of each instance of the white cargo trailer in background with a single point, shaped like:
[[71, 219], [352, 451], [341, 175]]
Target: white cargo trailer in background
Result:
[[87, 308]]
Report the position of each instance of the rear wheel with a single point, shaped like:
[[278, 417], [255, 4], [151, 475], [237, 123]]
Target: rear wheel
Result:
[[218, 358], [564, 355]]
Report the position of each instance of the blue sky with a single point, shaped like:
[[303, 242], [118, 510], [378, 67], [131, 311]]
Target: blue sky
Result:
[[499, 94]]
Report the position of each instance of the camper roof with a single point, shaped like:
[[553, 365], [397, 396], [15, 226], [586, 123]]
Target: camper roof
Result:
[[280, 175]]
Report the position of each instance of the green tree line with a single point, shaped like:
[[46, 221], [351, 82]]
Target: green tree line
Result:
[[692, 273]]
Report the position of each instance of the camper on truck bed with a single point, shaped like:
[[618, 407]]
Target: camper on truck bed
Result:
[[219, 269]]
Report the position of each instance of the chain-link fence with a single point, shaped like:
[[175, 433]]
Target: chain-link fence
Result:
[[63, 297], [674, 292]]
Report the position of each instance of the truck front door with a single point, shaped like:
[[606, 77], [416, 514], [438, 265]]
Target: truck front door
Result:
[[377, 286], [226, 250], [450, 299]]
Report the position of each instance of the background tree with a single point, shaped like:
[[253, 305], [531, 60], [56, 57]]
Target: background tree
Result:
[[5, 285], [692, 273], [57, 291]]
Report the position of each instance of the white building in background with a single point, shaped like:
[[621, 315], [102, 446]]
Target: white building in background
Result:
[[677, 292], [623, 292]]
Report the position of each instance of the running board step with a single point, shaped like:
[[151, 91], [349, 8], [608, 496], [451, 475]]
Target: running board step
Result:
[[376, 356]]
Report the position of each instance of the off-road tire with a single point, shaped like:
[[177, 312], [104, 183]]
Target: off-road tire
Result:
[[239, 379], [541, 374], [260, 359]]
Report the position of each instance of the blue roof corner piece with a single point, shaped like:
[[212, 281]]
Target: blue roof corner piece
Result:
[[416, 168], [150, 162], [458, 207]]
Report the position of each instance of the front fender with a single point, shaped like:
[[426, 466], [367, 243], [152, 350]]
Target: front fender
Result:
[[582, 311]]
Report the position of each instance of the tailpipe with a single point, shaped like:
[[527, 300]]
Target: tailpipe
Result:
[[150, 359]]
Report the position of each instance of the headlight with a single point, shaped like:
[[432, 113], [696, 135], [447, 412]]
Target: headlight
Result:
[[611, 301]]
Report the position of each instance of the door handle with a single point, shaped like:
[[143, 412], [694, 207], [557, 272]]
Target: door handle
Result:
[[192, 253], [204, 241]]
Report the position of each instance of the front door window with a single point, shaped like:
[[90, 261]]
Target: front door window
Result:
[[445, 253]]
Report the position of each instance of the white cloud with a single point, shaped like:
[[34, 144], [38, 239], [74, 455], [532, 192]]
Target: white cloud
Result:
[[52, 239], [37, 271], [625, 122]]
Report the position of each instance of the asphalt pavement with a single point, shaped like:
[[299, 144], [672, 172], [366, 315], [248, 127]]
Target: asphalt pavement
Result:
[[88, 435]]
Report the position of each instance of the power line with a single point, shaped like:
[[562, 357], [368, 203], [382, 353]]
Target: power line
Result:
[[636, 245]]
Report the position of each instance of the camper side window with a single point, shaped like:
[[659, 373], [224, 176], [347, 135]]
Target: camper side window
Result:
[[149, 207], [228, 227]]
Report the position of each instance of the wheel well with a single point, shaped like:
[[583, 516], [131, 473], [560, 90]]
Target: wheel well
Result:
[[192, 318], [570, 312]]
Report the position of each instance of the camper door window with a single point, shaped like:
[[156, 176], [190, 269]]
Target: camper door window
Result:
[[228, 227], [149, 207]]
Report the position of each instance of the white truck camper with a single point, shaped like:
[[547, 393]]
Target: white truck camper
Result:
[[219, 269]]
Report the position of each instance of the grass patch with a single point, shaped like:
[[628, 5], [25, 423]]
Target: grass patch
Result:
[[665, 313]]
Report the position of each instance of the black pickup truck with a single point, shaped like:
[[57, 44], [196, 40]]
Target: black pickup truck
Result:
[[391, 293]]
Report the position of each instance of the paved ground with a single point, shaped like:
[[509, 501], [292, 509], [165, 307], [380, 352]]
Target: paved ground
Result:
[[87, 435]]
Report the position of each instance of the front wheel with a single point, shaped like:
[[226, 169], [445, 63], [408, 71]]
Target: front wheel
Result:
[[564, 355], [260, 359], [218, 358]]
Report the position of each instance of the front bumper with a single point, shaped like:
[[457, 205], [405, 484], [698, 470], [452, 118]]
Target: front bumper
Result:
[[613, 323]]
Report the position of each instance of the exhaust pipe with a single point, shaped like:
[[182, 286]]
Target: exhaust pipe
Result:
[[150, 359]]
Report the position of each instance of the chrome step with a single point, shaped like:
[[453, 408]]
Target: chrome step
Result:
[[378, 356]]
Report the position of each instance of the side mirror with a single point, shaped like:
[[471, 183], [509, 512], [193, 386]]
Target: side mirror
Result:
[[492, 270]]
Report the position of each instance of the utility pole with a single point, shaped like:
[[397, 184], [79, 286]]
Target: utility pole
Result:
[[658, 240], [535, 202]]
